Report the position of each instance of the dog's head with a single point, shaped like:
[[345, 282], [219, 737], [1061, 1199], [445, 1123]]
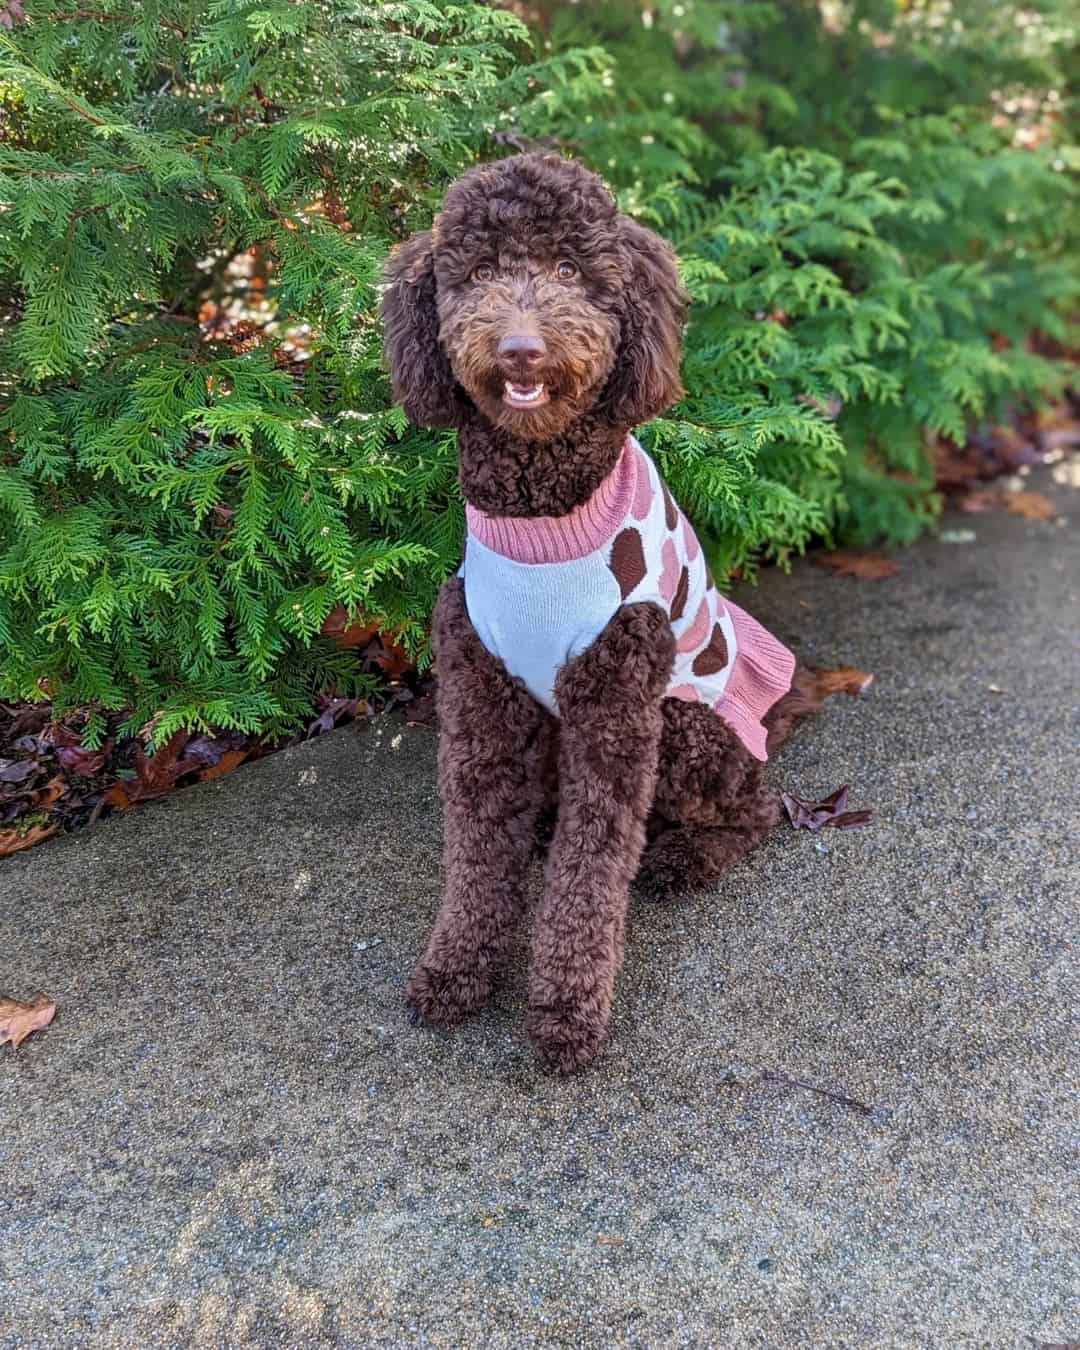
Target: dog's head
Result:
[[533, 300]]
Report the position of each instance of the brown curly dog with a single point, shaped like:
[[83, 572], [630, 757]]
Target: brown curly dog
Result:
[[544, 326]]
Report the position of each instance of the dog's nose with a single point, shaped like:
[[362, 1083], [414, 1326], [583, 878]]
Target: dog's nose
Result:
[[523, 351]]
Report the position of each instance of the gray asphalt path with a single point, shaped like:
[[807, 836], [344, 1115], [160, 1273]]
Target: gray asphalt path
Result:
[[231, 1136]]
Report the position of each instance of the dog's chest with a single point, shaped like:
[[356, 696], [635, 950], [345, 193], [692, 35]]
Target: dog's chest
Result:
[[537, 616]]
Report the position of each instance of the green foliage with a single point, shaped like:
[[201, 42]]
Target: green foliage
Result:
[[873, 203], [871, 207], [179, 512]]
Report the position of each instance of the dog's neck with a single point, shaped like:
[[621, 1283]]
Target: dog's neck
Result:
[[504, 476]]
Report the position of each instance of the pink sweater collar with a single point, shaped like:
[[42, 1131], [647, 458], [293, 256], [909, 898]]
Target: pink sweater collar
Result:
[[554, 539]]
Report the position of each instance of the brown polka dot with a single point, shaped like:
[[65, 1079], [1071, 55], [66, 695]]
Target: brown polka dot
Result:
[[678, 603], [627, 560], [671, 511], [713, 657]]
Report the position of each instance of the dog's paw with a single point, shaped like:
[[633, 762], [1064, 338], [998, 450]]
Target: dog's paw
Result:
[[443, 997], [662, 877], [567, 1038], [682, 863]]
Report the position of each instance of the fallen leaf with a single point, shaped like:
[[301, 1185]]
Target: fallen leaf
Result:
[[82, 762], [604, 1241], [13, 841], [845, 679], [954, 467], [1062, 436], [157, 773], [17, 770], [865, 566], [230, 760], [389, 657], [850, 820], [1031, 505], [56, 734], [207, 749], [828, 811], [957, 536], [18, 1020], [976, 502], [334, 709], [29, 719], [336, 625], [1011, 447], [54, 789]]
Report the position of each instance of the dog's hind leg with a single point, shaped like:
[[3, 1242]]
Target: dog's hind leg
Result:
[[689, 858], [493, 745], [712, 804]]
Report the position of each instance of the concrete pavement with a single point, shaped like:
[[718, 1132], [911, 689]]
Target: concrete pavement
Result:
[[231, 1135]]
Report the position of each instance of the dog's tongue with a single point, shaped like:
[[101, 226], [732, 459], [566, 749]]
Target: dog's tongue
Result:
[[522, 388]]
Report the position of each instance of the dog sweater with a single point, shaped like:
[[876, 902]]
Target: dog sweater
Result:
[[540, 590]]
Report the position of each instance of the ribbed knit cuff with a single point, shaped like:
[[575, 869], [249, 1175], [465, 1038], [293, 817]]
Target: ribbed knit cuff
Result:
[[554, 539]]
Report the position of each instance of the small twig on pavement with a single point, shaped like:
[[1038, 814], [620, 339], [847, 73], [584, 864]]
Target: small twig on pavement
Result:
[[824, 1092]]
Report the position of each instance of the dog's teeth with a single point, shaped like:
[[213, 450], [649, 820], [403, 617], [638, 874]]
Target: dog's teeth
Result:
[[523, 393]]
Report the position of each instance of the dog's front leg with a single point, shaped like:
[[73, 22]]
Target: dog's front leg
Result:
[[609, 742], [493, 737]]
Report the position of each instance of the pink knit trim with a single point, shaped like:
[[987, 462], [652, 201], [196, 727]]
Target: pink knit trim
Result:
[[687, 692], [698, 631], [762, 674], [554, 539], [643, 488]]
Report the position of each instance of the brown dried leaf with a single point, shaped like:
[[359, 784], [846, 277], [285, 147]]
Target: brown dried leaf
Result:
[[53, 790], [845, 679], [14, 841], [1031, 505], [954, 467], [865, 566], [346, 634], [230, 760], [847, 820], [117, 797], [389, 657], [828, 811], [158, 773], [18, 1020]]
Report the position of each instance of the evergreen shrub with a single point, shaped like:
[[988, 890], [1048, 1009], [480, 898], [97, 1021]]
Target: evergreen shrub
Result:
[[199, 458]]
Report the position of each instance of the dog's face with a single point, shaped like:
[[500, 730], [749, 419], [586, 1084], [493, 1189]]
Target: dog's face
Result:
[[528, 299], [534, 301]]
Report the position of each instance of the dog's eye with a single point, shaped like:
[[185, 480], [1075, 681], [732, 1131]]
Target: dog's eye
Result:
[[565, 270], [485, 272]]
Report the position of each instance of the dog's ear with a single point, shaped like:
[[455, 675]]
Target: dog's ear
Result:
[[645, 379], [423, 382]]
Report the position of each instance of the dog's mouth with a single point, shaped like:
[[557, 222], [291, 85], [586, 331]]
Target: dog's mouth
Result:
[[524, 396]]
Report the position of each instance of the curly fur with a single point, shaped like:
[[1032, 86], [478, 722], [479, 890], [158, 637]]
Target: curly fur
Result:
[[612, 333], [493, 742], [624, 777]]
